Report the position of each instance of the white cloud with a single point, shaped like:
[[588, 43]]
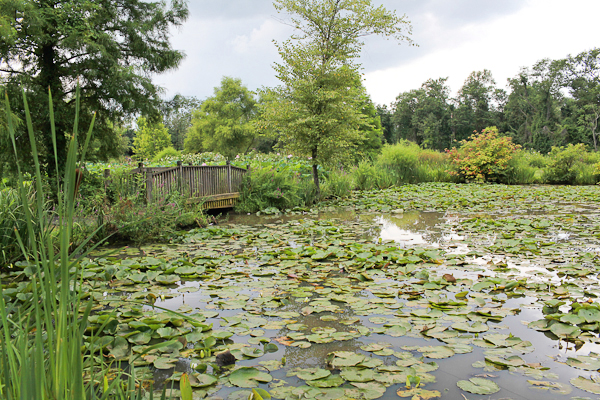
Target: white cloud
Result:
[[543, 29]]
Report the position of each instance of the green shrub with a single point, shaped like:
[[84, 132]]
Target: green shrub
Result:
[[565, 164], [265, 188], [164, 154], [365, 176], [401, 160], [434, 166], [484, 157], [520, 171], [337, 184], [13, 222]]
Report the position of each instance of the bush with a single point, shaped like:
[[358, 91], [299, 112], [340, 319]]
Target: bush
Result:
[[266, 187], [13, 223], [164, 154], [337, 184], [484, 157], [520, 171], [565, 164], [401, 160]]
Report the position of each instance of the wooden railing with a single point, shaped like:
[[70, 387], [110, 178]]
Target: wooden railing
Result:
[[218, 184]]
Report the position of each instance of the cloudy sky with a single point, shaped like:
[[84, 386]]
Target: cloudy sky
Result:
[[455, 37]]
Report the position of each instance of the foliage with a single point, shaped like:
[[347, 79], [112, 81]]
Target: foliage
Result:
[[401, 161], [484, 157], [131, 220], [150, 139], [13, 222], [42, 332], [112, 49], [177, 117], [166, 153], [338, 184], [520, 169], [317, 110], [423, 115], [223, 123], [266, 188], [565, 163]]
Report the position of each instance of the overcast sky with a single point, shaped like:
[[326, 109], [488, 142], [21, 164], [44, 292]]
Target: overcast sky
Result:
[[455, 37]]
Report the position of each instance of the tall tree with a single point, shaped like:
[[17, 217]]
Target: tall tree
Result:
[[110, 48], [224, 122], [423, 115], [533, 111], [478, 105], [582, 76], [387, 125], [319, 114], [150, 139], [177, 117]]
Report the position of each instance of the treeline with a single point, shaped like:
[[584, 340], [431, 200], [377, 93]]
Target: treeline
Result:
[[552, 103]]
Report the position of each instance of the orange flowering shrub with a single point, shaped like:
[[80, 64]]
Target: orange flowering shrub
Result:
[[484, 157]]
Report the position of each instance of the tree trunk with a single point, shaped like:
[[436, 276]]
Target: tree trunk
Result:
[[315, 172]]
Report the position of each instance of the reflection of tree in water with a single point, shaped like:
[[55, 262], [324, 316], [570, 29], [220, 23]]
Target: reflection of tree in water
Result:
[[316, 354], [411, 227]]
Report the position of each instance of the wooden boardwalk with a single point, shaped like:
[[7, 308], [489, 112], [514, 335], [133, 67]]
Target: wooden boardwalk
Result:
[[215, 186]]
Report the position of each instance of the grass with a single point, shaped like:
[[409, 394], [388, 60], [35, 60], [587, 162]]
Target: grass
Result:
[[42, 333]]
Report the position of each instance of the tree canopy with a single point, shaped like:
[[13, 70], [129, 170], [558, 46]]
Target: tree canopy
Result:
[[223, 122], [319, 109], [109, 48]]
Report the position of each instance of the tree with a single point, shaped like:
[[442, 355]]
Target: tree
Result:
[[109, 48], [177, 117], [224, 122], [150, 139], [478, 104], [533, 110], [389, 131], [423, 115], [320, 112], [582, 78]]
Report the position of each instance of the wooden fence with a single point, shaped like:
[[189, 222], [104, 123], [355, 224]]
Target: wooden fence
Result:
[[218, 186]]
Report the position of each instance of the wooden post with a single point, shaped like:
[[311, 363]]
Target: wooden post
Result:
[[106, 176], [180, 179], [229, 175], [149, 179]]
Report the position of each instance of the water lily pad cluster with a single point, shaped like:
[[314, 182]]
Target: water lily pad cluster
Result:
[[322, 307]]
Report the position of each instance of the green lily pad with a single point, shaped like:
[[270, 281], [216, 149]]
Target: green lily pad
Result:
[[478, 386], [247, 377], [591, 385], [436, 352], [202, 380], [419, 394], [252, 352], [311, 374], [476, 327], [346, 359], [327, 382], [357, 374], [564, 330], [586, 363]]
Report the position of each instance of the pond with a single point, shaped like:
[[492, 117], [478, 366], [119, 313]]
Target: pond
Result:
[[428, 291]]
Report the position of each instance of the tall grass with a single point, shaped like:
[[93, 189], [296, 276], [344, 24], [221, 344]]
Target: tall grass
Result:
[[42, 330]]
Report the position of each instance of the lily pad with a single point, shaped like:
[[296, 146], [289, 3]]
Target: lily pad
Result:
[[247, 377], [478, 386]]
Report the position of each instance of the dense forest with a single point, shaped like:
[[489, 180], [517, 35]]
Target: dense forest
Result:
[[552, 103]]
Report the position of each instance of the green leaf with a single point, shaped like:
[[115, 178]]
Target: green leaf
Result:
[[185, 387], [591, 385], [478, 386], [247, 377]]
